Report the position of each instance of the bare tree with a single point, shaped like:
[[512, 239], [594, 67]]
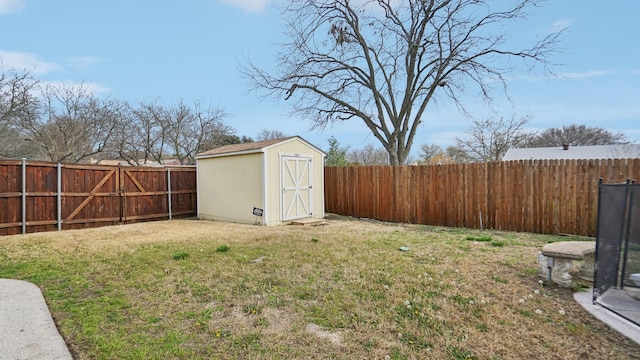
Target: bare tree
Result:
[[489, 139], [458, 155], [16, 93], [156, 132], [266, 134], [384, 61], [432, 154], [441, 159], [17, 101], [71, 124], [369, 155], [137, 136], [193, 129], [428, 151], [576, 135]]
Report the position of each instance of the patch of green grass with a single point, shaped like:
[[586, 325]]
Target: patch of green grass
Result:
[[261, 321], [460, 353], [580, 286], [418, 342], [479, 238], [369, 345], [497, 243], [396, 354], [463, 300], [573, 328], [525, 312], [180, 255], [252, 309], [223, 248], [275, 301], [499, 279], [318, 316]]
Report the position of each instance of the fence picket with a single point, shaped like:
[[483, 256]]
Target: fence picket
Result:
[[543, 196]]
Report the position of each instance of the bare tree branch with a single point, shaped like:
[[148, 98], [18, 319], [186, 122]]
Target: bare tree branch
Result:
[[384, 61], [156, 132], [489, 139], [70, 124], [17, 101], [576, 135], [266, 134]]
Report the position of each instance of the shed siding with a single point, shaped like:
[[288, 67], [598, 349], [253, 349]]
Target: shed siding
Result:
[[274, 187], [229, 188]]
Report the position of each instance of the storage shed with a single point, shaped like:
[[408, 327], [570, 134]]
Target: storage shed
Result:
[[267, 182]]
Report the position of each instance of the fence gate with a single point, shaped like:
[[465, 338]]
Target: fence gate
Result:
[[618, 250], [38, 196], [143, 193], [118, 195], [611, 215], [101, 204]]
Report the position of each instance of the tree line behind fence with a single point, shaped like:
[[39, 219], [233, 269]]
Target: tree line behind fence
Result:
[[43, 196], [541, 196]]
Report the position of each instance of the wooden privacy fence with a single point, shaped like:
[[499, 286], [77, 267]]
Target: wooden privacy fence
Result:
[[541, 196], [43, 196]]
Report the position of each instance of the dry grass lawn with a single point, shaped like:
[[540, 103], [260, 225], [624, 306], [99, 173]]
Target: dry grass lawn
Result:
[[187, 289]]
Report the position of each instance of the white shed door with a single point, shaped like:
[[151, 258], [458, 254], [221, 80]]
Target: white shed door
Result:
[[296, 179]]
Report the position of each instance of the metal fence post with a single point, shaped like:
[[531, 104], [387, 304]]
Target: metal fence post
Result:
[[59, 197], [24, 195], [624, 241], [169, 192]]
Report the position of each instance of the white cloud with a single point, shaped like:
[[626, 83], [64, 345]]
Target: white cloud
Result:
[[560, 25], [11, 6], [584, 74], [247, 5], [83, 62], [26, 61]]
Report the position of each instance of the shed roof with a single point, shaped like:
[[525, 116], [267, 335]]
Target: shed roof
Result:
[[620, 151], [249, 148]]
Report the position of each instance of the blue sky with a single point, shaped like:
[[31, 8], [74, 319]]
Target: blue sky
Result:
[[144, 50]]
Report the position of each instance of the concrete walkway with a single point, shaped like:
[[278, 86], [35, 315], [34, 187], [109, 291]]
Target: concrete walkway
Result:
[[27, 331], [614, 321]]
